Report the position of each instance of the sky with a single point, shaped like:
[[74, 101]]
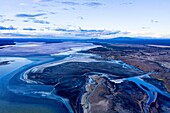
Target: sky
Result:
[[85, 18]]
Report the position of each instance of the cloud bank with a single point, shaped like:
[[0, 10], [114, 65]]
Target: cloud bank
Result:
[[30, 15], [7, 28], [83, 33]]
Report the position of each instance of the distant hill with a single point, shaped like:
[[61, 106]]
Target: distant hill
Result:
[[6, 42], [122, 38], [133, 40], [117, 40]]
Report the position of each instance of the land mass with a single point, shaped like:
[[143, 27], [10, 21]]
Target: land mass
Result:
[[145, 57], [90, 85]]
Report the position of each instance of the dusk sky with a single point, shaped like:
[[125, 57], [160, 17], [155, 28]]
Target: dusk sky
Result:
[[85, 18]]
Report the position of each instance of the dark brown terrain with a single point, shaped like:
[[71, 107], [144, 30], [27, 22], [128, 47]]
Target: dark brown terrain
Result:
[[144, 57]]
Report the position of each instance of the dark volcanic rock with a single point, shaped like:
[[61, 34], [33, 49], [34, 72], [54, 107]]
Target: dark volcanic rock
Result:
[[163, 104], [79, 68]]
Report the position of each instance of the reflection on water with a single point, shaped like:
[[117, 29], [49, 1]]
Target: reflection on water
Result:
[[14, 107], [17, 62], [28, 96]]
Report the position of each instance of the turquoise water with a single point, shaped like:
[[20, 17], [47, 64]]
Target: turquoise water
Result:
[[16, 63], [28, 95]]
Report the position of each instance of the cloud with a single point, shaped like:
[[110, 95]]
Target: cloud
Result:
[[126, 3], [42, 0], [70, 3], [34, 20], [7, 28], [112, 33], [92, 4], [29, 29], [16, 35], [30, 15], [47, 12], [90, 32], [5, 20], [22, 4], [71, 31], [52, 13], [145, 27], [66, 9], [40, 21], [26, 21], [46, 0], [97, 33], [64, 30], [125, 33], [40, 10], [25, 35], [154, 21], [80, 17], [1, 16]]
